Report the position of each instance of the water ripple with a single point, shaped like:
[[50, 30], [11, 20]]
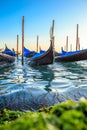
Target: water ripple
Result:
[[59, 76]]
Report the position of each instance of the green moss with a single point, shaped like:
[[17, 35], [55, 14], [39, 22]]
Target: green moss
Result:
[[32, 121], [7, 115], [60, 108], [82, 106], [64, 116], [73, 119]]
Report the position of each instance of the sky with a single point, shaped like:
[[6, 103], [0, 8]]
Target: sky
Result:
[[38, 16]]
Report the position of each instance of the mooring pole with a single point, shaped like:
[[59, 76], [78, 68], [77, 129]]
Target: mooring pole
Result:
[[17, 44], [67, 43], [52, 38], [39, 48], [52, 33], [22, 40], [70, 47], [77, 37], [79, 43], [37, 44]]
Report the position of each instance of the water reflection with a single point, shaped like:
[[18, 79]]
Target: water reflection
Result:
[[27, 84], [76, 72], [58, 76], [44, 75], [74, 67]]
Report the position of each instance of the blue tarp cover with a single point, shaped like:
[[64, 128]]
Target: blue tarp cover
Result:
[[9, 52], [39, 54], [26, 52], [65, 53]]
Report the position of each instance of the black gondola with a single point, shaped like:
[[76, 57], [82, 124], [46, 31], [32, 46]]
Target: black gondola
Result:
[[4, 58], [44, 58], [72, 56]]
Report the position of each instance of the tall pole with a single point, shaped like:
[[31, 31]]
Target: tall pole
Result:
[[67, 43], [70, 47], [77, 37], [22, 40], [52, 38], [39, 48], [78, 43], [61, 49], [53, 28], [52, 33], [37, 44], [17, 44]]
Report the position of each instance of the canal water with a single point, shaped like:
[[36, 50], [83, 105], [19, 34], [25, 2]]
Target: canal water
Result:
[[24, 87]]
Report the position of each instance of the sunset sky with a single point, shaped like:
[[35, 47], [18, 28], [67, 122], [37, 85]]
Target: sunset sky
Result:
[[38, 20]]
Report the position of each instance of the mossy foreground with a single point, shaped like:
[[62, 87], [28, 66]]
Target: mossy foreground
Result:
[[64, 116]]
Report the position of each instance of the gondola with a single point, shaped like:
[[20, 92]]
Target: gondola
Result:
[[9, 52], [4, 58], [43, 58], [72, 56], [7, 56]]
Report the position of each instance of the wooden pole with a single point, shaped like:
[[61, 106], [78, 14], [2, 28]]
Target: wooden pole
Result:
[[17, 44], [61, 49], [39, 48], [37, 44], [78, 43], [52, 38], [22, 40], [53, 28], [67, 43], [70, 47], [77, 37]]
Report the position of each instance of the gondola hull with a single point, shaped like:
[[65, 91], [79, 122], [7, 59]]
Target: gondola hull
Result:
[[78, 56], [44, 59], [6, 58]]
